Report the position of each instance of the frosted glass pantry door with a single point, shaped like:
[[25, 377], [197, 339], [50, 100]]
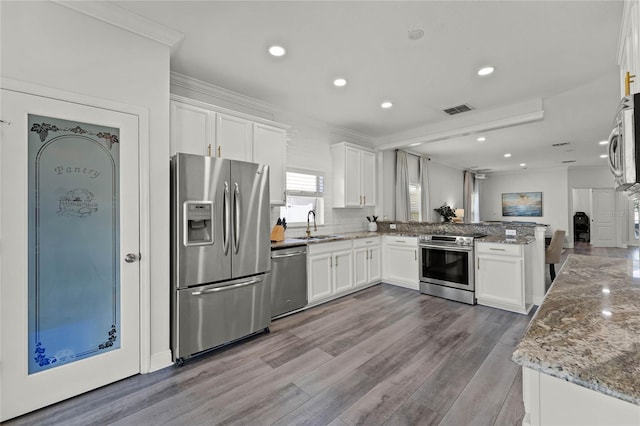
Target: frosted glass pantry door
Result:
[[70, 276]]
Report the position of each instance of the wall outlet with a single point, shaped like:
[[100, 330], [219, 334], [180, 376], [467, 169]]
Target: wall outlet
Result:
[[510, 232], [392, 226]]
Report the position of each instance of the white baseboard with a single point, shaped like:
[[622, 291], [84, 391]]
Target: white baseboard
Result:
[[159, 361]]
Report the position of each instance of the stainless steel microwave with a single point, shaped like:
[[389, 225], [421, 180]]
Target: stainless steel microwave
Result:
[[624, 146]]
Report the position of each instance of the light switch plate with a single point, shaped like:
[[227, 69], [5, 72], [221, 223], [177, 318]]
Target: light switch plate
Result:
[[392, 226], [510, 232]]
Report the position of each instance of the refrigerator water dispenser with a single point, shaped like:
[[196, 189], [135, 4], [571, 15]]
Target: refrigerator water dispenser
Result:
[[198, 219]]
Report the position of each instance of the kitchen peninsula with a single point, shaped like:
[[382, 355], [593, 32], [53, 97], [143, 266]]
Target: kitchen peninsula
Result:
[[581, 352]]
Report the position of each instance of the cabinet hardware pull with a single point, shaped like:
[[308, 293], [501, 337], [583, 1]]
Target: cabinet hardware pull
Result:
[[336, 261], [219, 152], [365, 200], [209, 150], [496, 249], [330, 262], [369, 242], [361, 200], [478, 263], [415, 253], [400, 241]]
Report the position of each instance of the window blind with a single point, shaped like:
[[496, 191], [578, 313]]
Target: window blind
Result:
[[305, 184]]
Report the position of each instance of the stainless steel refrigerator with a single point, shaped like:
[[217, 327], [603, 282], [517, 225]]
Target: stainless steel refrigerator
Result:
[[220, 252]]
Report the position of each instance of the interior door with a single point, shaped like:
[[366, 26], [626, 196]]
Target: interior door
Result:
[[69, 299], [603, 220]]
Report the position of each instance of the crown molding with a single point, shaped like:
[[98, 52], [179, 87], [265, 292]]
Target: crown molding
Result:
[[211, 90], [115, 15], [218, 92]]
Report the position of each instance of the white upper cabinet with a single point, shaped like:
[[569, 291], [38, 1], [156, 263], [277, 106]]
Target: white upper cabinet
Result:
[[629, 48], [269, 147], [233, 137], [203, 129], [192, 129], [354, 176]]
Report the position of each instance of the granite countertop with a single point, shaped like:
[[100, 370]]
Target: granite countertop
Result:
[[500, 239], [293, 242], [587, 330]]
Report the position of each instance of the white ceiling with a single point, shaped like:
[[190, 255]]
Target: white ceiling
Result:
[[560, 53]]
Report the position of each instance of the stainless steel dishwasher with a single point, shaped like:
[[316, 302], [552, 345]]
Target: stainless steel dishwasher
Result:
[[288, 279]]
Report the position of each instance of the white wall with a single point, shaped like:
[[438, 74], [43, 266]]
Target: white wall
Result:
[[551, 182], [50, 45]]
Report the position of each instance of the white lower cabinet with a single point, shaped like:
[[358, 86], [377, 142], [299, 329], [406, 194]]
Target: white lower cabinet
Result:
[[366, 261], [329, 270], [552, 401], [502, 276], [400, 261]]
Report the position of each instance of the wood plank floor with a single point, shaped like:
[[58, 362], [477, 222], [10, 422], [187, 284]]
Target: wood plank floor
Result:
[[385, 355], [382, 356]]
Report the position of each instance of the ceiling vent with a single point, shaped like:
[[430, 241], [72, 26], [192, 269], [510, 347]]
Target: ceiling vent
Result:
[[458, 109], [556, 145], [568, 161]]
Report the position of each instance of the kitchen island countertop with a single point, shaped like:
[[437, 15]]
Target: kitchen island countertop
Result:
[[587, 330]]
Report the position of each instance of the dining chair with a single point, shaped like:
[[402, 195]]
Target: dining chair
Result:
[[552, 253]]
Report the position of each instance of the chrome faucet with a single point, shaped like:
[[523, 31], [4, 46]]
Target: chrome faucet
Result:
[[315, 227]]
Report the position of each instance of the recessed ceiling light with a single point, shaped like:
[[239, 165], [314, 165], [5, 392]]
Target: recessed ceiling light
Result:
[[603, 142], [481, 139], [603, 155], [339, 82], [485, 71], [386, 105], [507, 155], [277, 50], [523, 164]]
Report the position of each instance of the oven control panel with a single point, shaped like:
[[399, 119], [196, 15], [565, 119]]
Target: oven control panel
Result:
[[446, 240]]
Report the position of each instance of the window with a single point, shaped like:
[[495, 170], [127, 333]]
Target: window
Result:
[[305, 192], [414, 202]]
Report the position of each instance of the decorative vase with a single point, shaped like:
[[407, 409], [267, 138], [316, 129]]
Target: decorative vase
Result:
[[373, 226]]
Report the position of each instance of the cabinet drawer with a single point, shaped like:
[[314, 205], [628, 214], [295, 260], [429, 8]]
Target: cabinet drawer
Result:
[[366, 242], [400, 241], [499, 249], [316, 248]]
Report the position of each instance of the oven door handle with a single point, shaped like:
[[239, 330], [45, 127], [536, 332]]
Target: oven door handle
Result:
[[448, 248]]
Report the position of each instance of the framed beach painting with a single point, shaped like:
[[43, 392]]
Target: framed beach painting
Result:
[[522, 204]]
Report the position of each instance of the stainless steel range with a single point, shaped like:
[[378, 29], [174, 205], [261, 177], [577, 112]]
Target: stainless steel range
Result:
[[446, 266]]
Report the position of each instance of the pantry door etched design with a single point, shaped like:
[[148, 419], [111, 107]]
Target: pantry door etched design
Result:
[[70, 294], [74, 285]]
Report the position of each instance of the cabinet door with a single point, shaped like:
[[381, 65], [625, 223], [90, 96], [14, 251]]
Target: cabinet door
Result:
[[319, 269], [375, 264], [361, 266], [353, 175], [269, 147], [343, 270], [401, 266], [369, 178], [233, 138], [192, 129], [499, 280]]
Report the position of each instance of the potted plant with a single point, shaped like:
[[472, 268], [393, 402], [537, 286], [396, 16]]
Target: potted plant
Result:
[[446, 212]]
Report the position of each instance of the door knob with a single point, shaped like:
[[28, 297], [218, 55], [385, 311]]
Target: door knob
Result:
[[130, 258]]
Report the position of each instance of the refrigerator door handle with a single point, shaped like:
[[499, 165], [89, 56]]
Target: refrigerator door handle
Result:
[[227, 287], [226, 216], [236, 218]]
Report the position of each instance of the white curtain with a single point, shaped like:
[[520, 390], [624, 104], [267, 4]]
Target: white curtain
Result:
[[471, 200], [424, 189], [402, 187]]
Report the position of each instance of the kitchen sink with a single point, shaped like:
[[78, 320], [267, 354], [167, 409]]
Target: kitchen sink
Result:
[[322, 237]]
